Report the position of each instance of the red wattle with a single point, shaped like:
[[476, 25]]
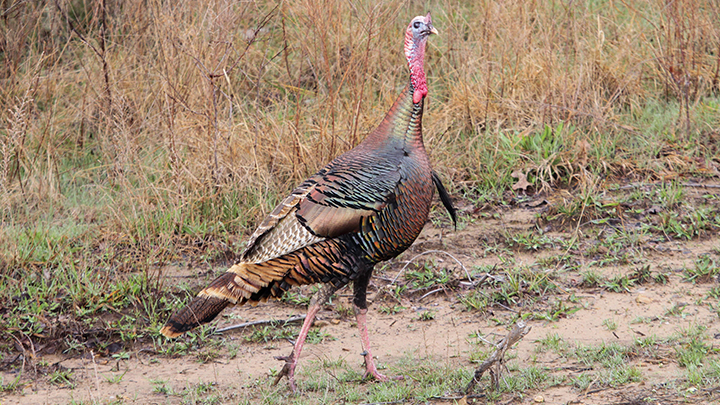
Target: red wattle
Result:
[[418, 95]]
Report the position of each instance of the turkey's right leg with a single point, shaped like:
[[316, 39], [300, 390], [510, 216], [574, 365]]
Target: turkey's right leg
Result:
[[320, 298], [360, 307]]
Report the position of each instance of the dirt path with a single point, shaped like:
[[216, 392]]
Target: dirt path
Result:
[[593, 315]]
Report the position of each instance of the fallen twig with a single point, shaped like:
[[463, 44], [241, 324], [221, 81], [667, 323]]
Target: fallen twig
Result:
[[431, 293], [481, 279], [97, 378], [262, 322], [640, 185], [456, 398], [497, 358]]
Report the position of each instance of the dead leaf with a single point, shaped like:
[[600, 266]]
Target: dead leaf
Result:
[[583, 149], [522, 183]]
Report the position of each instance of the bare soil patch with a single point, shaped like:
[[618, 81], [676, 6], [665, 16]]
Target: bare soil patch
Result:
[[593, 315]]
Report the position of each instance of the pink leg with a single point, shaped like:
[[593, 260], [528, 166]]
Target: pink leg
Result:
[[291, 361], [370, 369]]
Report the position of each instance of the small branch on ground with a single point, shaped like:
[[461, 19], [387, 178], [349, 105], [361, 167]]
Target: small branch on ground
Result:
[[640, 185], [262, 322], [430, 293], [459, 398], [496, 360], [95, 368]]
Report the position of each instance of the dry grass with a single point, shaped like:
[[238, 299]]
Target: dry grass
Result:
[[163, 107]]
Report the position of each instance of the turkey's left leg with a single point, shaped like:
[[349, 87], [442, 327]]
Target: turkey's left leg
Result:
[[320, 298], [360, 306]]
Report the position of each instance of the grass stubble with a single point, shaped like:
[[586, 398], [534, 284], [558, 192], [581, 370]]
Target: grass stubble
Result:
[[137, 135]]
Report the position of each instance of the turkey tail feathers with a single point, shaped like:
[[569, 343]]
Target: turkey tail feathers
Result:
[[445, 198], [201, 310], [241, 283]]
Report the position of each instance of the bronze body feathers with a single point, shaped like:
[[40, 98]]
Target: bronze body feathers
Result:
[[367, 205]]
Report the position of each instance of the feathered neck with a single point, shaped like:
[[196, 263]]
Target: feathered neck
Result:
[[401, 129]]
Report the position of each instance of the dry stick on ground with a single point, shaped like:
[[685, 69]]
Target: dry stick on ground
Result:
[[498, 357], [640, 185], [262, 322], [97, 378]]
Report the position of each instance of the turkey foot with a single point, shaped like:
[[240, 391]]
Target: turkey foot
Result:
[[291, 361], [371, 369], [287, 370]]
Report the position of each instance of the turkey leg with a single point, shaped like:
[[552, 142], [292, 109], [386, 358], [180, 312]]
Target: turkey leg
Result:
[[360, 307], [320, 298]]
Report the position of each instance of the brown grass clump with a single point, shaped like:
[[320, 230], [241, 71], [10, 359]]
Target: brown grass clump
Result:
[[149, 119]]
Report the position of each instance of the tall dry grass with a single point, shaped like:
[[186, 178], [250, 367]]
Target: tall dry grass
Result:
[[148, 118]]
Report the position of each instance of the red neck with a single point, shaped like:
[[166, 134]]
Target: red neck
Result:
[[415, 53]]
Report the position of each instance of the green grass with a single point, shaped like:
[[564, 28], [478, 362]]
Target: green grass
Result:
[[552, 342], [62, 378], [474, 301], [426, 277], [529, 379], [338, 380], [610, 363], [696, 354], [609, 324], [390, 309], [704, 270], [528, 241], [556, 310], [607, 354]]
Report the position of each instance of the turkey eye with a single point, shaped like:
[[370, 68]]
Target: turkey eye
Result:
[[417, 24]]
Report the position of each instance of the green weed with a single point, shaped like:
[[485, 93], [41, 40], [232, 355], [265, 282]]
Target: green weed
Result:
[[426, 277], [427, 316], [552, 342], [611, 362], [609, 324], [676, 309], [295, 298], [591, 278], [474, 301], [116, 379], [528, 241], [390, 310], [703, 271], [317, 336], [268, 333], [528, 378], [62, 377], [557, 310]]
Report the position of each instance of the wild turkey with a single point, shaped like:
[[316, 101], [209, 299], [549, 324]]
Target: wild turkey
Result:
[[366, 206]]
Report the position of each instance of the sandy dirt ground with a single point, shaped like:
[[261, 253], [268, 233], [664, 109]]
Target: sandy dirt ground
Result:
[[444, 338]]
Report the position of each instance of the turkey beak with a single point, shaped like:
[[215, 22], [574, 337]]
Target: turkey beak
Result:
[[428, 21]]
